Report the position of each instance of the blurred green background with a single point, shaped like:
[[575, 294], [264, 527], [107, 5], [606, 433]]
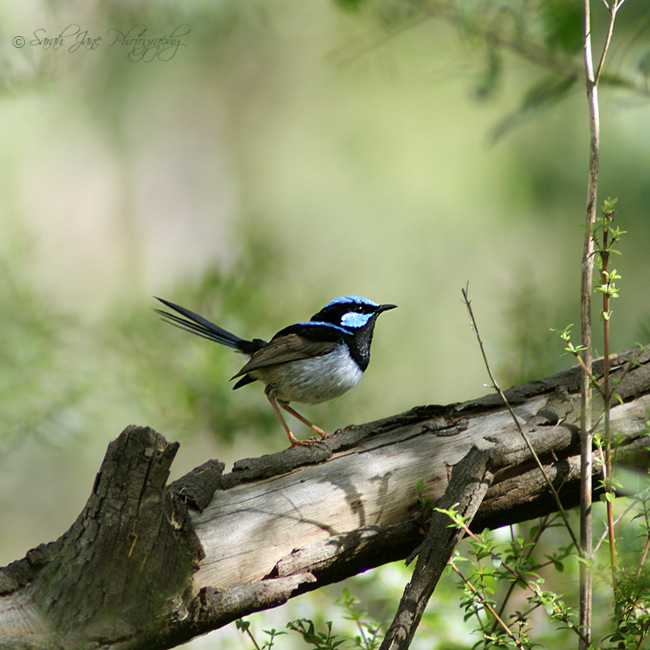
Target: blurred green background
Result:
[[286, 153]]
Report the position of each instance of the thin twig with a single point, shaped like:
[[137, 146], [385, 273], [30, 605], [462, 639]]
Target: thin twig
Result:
[[487, 606], [496, 387], [517, 577], [644, 555], [613, 10], [533, 543], [586, 370], [605, 534], [607, 286]]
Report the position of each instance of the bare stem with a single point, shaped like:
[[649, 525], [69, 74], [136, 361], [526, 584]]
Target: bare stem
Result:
[[533, 544], [607, 281], [496, 387], [487, 606], [644, 555], [613, 10], [586, 437]]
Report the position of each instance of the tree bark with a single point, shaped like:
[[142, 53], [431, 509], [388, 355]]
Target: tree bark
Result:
[[151, 565], [470, 480]]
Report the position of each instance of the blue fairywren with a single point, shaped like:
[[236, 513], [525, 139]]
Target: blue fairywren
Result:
[[307, 362]]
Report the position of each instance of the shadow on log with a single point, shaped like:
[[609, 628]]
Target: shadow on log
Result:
[[151, 565]]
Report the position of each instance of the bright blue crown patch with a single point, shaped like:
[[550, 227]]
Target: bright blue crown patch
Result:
[[355, 300]]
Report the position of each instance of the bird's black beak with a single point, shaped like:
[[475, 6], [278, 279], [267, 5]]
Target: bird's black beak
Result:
[[385, 308]]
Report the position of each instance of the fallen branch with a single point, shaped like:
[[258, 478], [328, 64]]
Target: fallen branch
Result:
[[148, 565]]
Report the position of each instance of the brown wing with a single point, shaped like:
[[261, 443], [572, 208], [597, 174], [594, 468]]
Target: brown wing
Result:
[[291, 347]]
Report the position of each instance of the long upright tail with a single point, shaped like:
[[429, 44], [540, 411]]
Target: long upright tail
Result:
[[198, 325]]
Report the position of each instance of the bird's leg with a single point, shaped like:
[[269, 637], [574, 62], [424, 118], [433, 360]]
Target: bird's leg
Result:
[[294, 441], [304, 420]]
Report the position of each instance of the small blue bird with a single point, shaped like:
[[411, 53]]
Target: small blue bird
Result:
[[309, 362]]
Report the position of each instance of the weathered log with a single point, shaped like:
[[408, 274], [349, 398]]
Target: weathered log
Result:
[[150, 566]]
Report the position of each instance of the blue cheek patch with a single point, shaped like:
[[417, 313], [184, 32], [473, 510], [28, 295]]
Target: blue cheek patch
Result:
[[355, 320]]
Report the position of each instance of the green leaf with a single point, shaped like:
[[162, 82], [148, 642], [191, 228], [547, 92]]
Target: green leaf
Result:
[[539, 98], [490, 76], [644, 64], [563, 25], [350, 5]]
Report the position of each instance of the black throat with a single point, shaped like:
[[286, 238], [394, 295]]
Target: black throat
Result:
[[359, 343]]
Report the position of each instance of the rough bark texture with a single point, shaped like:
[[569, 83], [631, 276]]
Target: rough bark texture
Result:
[[470, 480], [149, 566]]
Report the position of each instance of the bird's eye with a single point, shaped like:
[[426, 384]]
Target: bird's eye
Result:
[[354, 319]]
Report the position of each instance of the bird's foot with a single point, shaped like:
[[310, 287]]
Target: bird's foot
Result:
[[302, 443], [320, 432]]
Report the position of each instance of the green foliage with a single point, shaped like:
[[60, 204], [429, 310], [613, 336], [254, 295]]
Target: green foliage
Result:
[[631, 587], [562, 25], [318, 640], [565, 335], [369, 633], [538, 98], [189, 384], [59, 372], [497, 577], [526, 336], [369, 637], [644, 64], [489, 76], [422, 500], [512, 563], [42, 382], [545, 33], [350, 5], [244, 627]]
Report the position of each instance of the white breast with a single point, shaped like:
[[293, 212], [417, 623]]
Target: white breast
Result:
[[311, 381]]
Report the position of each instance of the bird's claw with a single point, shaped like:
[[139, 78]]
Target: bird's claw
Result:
[[304, 443]]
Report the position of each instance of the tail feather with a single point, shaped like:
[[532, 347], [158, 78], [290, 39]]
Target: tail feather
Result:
[[200, 326]]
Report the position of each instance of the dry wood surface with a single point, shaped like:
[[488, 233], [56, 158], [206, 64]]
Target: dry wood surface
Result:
[[150, 565]]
